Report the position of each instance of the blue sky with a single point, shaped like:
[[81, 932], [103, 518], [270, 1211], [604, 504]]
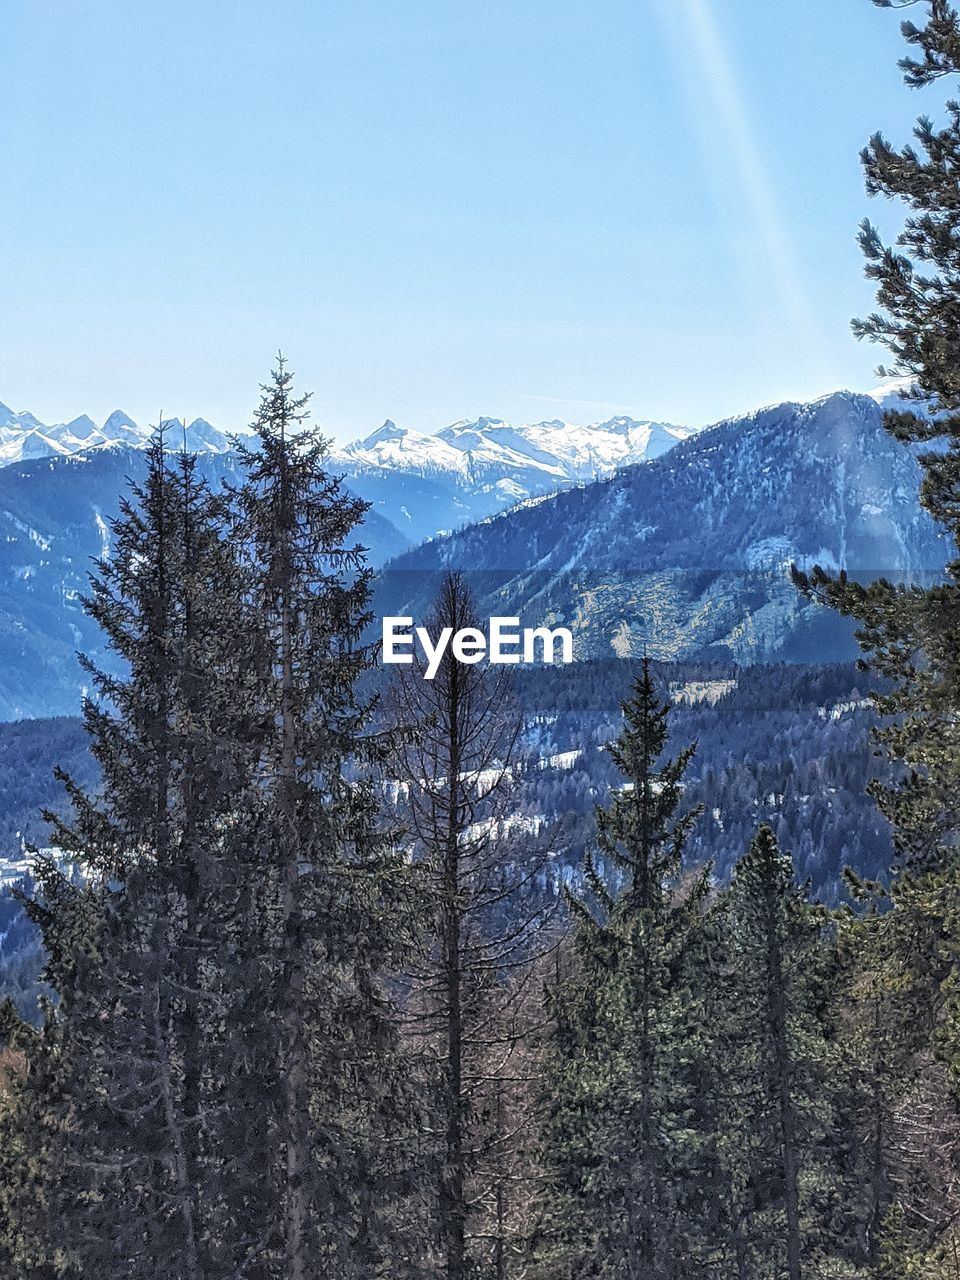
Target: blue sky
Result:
[[438, 208]]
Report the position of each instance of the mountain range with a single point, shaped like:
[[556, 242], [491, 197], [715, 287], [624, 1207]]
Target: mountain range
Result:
[[685, 556], [427, 484], [689, 556], [423, 484], [22, 436]]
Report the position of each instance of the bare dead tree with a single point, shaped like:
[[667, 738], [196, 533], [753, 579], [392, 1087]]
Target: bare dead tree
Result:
[[468, 1016]]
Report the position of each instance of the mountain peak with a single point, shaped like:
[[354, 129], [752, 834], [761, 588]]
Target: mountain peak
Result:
[[468, 427], [81, 427], [117, 421], [24, 436], [383, 435]]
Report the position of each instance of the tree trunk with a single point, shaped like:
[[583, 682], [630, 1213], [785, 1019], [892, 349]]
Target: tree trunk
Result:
[[452, 1201], [189, 1258]]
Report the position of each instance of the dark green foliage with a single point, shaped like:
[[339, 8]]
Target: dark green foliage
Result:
[[696, 1089], [910, 633], [217, 964], [784, 1078], [620, 1076], [140, 953], [784, 745], [333, 903]]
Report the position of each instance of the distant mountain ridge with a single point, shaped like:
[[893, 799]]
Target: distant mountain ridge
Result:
[[685, 555], [423, 484], [475, 468], [23, 436], [689, 555]]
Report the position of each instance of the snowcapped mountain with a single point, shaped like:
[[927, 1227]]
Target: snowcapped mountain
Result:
[[471, 470], [689, 555], [686, 554], [395, 448], [22, 436], [491, 452], [563, 448], [423, 484]]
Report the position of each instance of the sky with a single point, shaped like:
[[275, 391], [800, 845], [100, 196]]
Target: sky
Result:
[[438, 209]]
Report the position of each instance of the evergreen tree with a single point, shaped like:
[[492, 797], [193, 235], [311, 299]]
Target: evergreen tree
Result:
[[137, 952], [220, 1068], [621, 1078], [910, 633], [333, 902], [783, 1068]]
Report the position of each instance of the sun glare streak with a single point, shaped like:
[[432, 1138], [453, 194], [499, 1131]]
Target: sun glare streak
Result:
[[727, 102]]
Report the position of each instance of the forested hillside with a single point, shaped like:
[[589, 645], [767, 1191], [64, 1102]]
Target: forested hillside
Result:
[[689, 556], [786, 744]]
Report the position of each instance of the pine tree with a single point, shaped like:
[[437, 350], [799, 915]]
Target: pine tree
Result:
[[621, 1082], [884, 1039], [333, 902], [783, 1069], [137, 950], [910, 634], [218, 1080]]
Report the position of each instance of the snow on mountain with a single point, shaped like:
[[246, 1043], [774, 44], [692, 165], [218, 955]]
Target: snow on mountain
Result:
[[488, 451], [23, 436], [395, 448], [197, 437], [689, 555], [423, 484], [475, 468], [684, 556]]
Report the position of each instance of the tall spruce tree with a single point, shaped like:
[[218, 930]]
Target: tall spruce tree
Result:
[[136, 952], [911, 633], [333, 901], [783, 1068], [621, 1083], [218, 1082]]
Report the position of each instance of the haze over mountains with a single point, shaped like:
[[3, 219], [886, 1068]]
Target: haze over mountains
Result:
[[686, 554]]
